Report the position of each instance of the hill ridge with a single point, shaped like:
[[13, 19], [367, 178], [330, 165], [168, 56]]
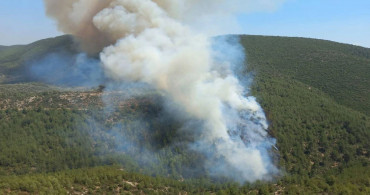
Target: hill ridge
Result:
[[340, 70]]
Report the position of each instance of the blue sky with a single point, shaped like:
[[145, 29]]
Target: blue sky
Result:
[[24, 21], [347, 21]]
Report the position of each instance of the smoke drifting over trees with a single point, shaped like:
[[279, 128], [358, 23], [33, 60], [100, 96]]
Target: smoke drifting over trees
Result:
[[160, 43]]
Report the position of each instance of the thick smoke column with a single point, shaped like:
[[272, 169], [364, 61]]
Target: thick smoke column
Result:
[[154, 41], [212, 17]]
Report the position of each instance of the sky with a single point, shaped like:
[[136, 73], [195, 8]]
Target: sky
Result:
[[345, 21]]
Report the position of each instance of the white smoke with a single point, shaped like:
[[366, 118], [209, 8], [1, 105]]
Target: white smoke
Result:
[[158, 42]]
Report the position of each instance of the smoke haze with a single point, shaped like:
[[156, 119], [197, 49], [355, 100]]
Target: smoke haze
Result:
[[166, 44], [67, 69]]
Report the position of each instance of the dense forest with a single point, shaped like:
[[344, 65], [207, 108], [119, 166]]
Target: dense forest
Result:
[[58, 140]]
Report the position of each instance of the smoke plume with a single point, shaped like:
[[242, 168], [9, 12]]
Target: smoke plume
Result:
[[67, 69], [165, 43]]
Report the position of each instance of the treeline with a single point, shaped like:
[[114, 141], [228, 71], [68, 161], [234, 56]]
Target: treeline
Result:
[[116, 180], [314, 134], [140, 136], [43, 141]]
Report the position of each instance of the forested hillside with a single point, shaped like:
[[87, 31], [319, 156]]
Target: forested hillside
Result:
[[339, 70], [15, 59], [315, 93]]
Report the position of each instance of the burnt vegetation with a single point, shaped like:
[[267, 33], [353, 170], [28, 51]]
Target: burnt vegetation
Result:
[[57, 140]]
